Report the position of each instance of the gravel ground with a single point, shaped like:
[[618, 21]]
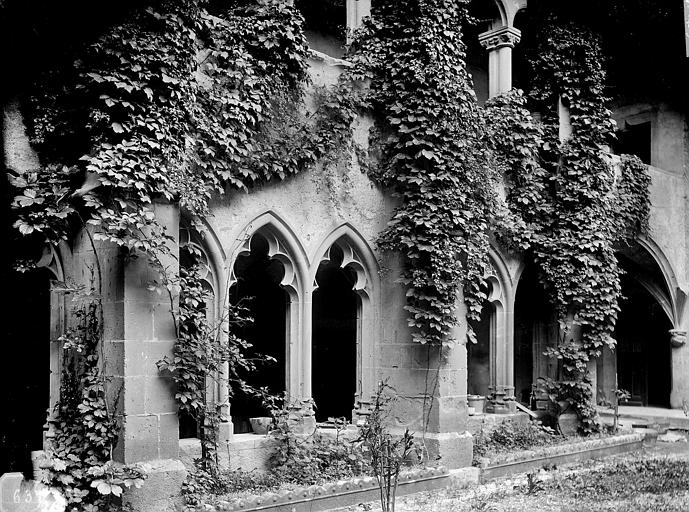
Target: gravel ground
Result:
[[570, 488]]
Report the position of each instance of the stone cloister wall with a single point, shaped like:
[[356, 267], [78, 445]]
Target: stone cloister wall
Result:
[[305, 215]]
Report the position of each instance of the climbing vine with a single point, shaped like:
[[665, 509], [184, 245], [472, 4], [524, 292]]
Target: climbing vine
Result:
[[185, 100], [177, 103], [568, 206], [173, 104], [207, 351], [429, 121], [83, 427]]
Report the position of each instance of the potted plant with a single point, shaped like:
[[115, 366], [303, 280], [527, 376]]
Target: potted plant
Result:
[[477, 402], [260, 425]]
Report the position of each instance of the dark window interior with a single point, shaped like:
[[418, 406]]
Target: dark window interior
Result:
[[258, 288], [635, 139], [335, 307]]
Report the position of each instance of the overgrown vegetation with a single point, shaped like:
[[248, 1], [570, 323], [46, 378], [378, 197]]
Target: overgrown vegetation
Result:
[[203, 487], [513, 436], [185, 99], [207, 351], [172, 104], [314, 457], [84, 427], [568, 207], [388, 453], [422, 96]]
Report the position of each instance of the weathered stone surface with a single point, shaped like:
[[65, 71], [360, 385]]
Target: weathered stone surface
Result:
[[161, 491]]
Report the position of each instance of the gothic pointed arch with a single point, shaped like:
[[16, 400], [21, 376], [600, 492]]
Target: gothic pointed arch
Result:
[[490, 368], [283, 246], [268, 266], [357, 254], [346, 258], [668, 291]]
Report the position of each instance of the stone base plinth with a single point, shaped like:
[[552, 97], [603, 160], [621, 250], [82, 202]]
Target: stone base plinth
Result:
[[451, 449], [161, 491]]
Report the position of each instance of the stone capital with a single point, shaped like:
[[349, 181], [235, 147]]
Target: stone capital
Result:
[[500, 38], [678, 337]]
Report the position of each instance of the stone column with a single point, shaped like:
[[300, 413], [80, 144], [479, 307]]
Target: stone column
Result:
[[499, 43], [301, 407], [502, 364], [357, 10], [679, 396], [225, 425], [139, 331], [447, 439]]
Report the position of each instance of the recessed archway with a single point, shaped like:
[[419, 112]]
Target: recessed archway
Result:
[[344, 258], [535, 328], [25, 399], [641, 363], [480, 357], [258, 287], [336, 308], [644, 366]]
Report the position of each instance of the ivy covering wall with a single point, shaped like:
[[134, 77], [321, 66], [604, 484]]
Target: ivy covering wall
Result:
[[571, 204], [432, 157], [185, 99]]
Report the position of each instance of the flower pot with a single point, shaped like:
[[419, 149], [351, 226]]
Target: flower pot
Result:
[[260, 425], [569, 423], [478, 402]]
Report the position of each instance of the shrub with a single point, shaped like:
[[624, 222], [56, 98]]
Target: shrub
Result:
[[202, 485], [512, 436], [317, 458]]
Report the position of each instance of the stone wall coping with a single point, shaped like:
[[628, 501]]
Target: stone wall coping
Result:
[[560, 449], [341, 487], [331, 61]]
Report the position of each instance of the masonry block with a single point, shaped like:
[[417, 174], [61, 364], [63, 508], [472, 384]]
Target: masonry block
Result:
[[113, 352], [137, 362], [163, 328], [161, 491], [451, 449], [168, 432], [138, 439], [139, 321], [113, 324], [159, 395]]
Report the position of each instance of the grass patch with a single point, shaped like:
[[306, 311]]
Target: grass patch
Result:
[[627, 478]]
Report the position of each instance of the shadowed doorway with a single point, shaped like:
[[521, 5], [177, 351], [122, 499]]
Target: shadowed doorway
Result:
[[643, 347], [258, 288], [334, 349], [25, 369]]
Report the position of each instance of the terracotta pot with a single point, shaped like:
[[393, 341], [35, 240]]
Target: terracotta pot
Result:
[[478, 402], [260, 425], [569, 423]]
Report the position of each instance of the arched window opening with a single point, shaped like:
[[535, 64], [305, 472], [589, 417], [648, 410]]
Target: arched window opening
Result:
[[644, 366], [336, 309], [325, 22], [487, 16], [25, 368], [258, 288], [535, 329], [479, 354], [194, 261], [520, 53]]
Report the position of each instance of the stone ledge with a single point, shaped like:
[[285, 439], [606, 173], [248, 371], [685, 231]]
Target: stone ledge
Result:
[[161, 492], [561, 454], [346, 492]]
